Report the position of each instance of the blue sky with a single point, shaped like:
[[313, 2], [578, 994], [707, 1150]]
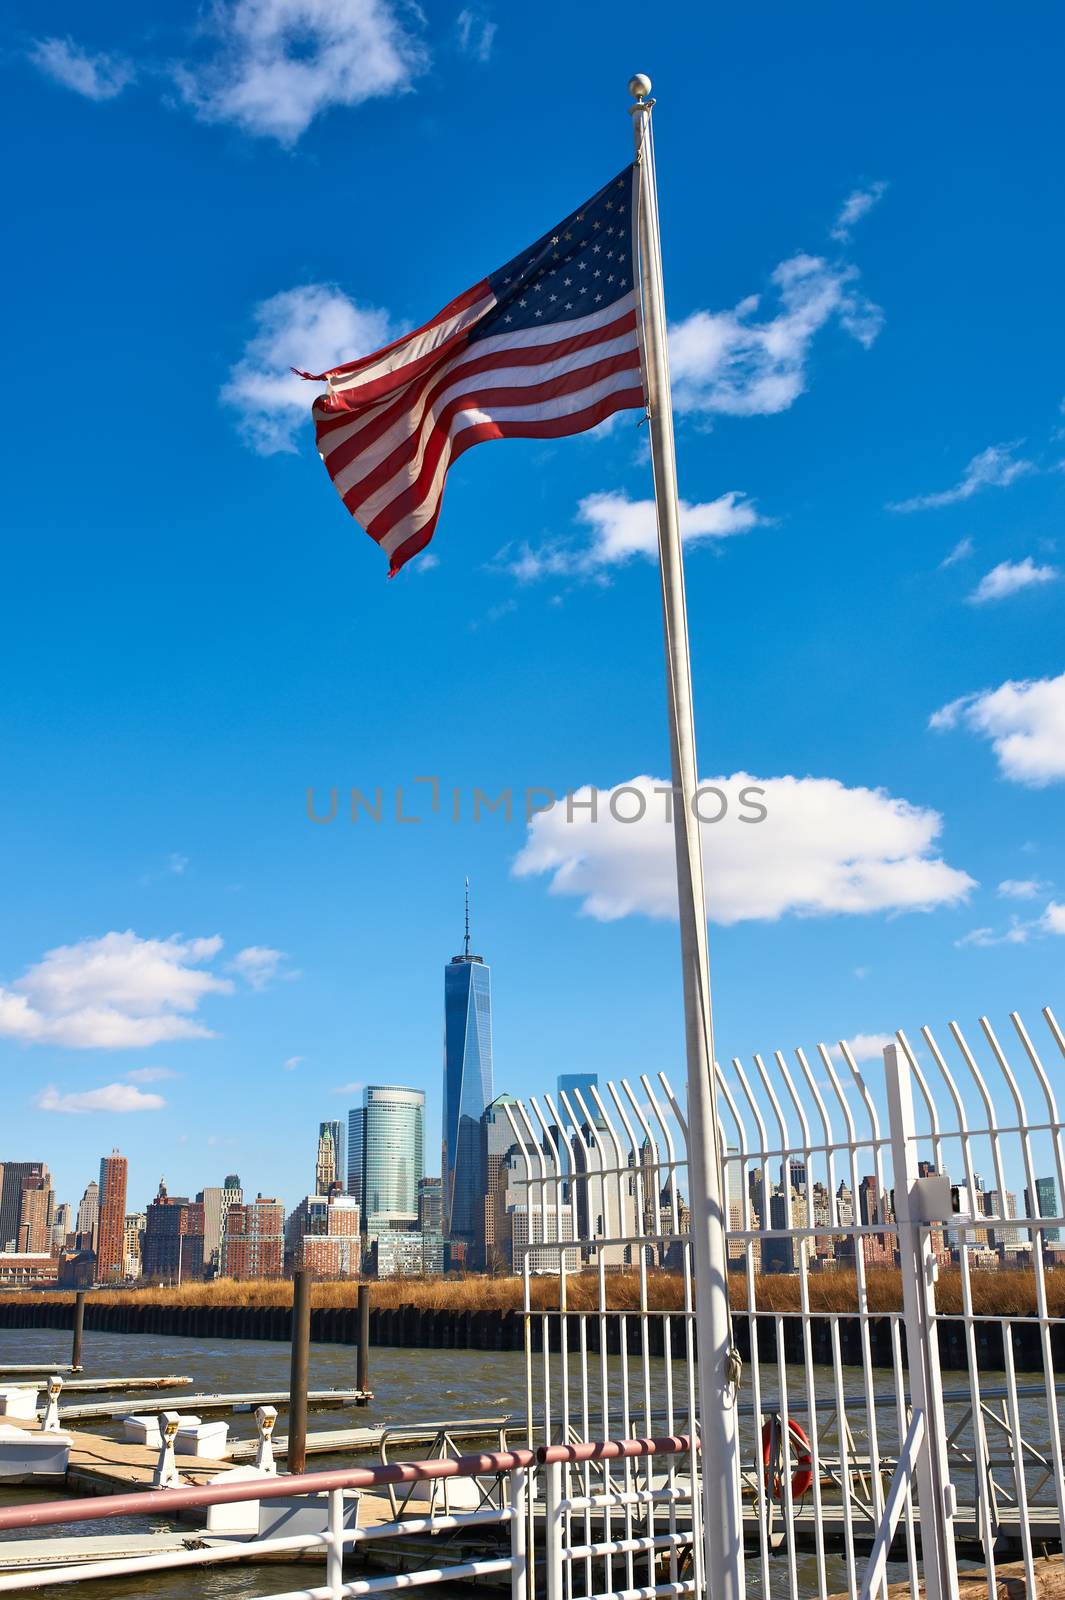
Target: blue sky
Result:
[[863, 238]]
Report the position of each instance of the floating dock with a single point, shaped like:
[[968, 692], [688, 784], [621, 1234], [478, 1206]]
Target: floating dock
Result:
[[349, 1441], [203, 1404], [102, 1385]]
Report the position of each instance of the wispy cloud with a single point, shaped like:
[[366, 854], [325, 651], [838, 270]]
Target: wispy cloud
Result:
[[740, 363], [475, 32], [1021, 888], [857, 205], [96, 75], [278, 64], [864, 1046], [1051, 923], [1025, 723], [1010, 577], [151, 1074], [620, 528], [994, 468], [349, 1088], [962, 550], [292, 1063], [258, 965], [314, 326], [113, 1097]]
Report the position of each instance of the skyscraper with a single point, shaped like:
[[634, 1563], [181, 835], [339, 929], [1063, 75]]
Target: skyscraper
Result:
[[88, 1216], [12, 1174], [336, 1128], [325, 1166], [386, 1152], [111, 1227], [1046, 1196], [467, 1087]]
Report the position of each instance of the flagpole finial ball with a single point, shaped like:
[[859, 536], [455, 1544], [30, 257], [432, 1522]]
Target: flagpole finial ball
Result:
[[640, 86]]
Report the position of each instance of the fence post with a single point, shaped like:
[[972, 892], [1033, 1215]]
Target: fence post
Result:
[[553, 1529], [518, 1549], [334, 1575], [935, 1492]]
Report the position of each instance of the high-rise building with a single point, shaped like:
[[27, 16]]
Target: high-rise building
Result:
[[494, 1250], [336, 1128], [173, 1237], [1002, 1205], [430, 1197], [253, 1245], [88, 1216], [324, 1235], [467, 1087], [133, 1242], [216, 1203], [62, 1224], [12, 1174], [1046, 1205], [386, 1152], [575, 1090], [35, 1214], [325, 1167], [111, 1227]]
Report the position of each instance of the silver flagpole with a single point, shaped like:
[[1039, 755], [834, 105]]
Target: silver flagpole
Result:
[[718, 1372]]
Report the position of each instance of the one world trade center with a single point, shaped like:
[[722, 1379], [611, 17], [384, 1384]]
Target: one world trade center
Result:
[[467, 1088]]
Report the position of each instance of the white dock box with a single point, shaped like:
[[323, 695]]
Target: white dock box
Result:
[[24, 1454], [195, 1438], [145, 1429], [18, 1400]]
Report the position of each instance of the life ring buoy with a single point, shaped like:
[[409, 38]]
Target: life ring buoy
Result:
[[802, 1477]]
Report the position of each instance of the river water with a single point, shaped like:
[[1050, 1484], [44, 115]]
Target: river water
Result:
[[409, 1385]]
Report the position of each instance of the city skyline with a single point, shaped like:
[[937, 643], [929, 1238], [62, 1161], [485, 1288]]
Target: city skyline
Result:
[[873, 575]]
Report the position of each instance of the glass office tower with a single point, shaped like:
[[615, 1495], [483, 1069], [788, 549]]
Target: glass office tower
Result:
[[467, 1089], [386, 1152]]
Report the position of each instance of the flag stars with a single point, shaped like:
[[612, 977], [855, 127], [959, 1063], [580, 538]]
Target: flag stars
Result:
[[597, 300], [566, 282], [539, 313]]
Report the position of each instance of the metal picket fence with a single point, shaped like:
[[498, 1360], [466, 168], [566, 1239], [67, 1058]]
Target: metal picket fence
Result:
[[852, 1188]]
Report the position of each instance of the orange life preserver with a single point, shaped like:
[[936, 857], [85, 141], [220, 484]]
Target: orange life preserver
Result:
[[802, 1477]]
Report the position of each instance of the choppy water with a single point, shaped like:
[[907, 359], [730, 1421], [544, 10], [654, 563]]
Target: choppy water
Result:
[[409, 1386]]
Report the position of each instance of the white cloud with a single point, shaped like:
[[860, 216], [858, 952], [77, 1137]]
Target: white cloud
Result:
[[257, 965], [1025, 723], [1018, 931], [865, 1046], [732, 362], [1010, 577], [151, 1074], [98, 76], [117, 992], [621, 528], [1020, 888], [120, 1097], [994, 468], [476, 34], [822, 848], [962, 549], [313, 327], [857, 205], [348, 1088], [292, 1063], [280, 63]]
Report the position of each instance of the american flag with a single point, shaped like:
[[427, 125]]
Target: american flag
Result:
[[546, 346]]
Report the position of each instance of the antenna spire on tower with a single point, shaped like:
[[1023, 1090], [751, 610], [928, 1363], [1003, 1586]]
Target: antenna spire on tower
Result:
[[467, 948]]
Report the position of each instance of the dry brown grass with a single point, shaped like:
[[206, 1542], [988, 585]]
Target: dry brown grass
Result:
[[994, 1293]]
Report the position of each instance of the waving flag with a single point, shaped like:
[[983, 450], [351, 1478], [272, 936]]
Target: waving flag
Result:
[[546, 346]]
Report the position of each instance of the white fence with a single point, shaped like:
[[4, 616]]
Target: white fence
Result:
[[851, 1188]]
